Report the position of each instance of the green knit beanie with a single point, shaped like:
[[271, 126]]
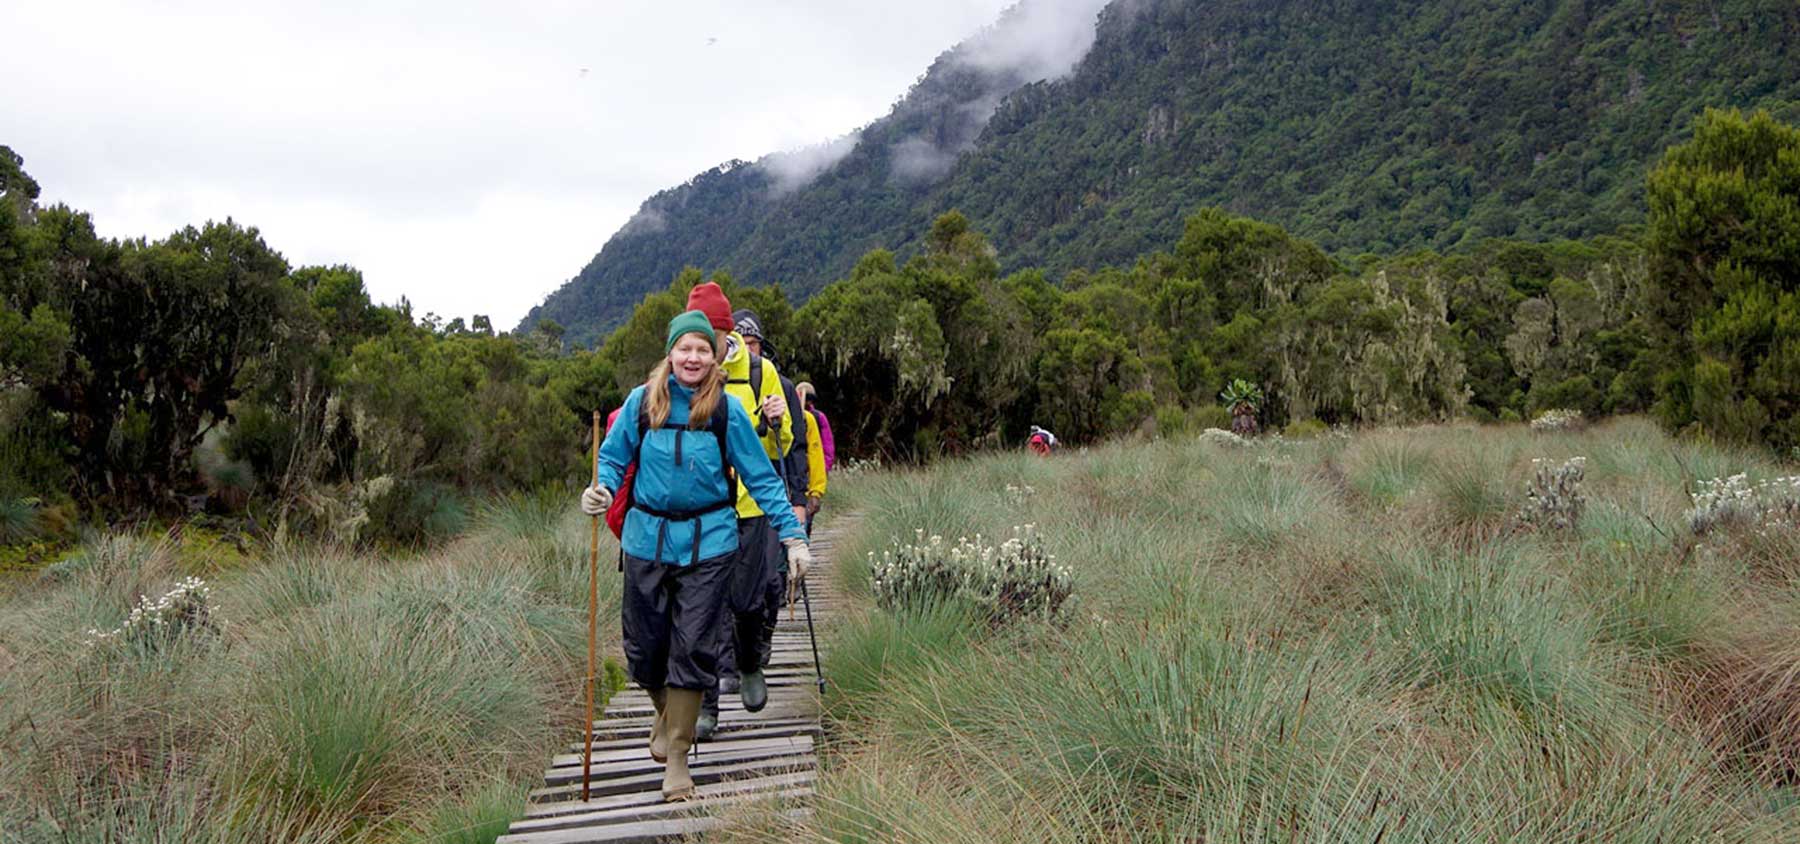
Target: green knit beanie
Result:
[[692, 322]]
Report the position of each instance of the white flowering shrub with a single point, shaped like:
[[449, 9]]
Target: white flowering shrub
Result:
[[857, 466], [1553, 496], [1560, 419], [1019, 494], [186, 608], [1222, 437], [1736, 502], [1014, 579]]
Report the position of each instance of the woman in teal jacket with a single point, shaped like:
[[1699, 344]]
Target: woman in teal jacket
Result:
[[681, 532]]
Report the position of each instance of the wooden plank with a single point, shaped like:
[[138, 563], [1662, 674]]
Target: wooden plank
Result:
[[607, 728], [748, 729], [563, 775], [563, 760], [659, 809], [721, 788], [702, 773], [782, 696], [642, 832]]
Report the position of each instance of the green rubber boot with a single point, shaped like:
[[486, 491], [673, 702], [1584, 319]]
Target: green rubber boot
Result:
[[659, 731], [754, 690], [682, 710]]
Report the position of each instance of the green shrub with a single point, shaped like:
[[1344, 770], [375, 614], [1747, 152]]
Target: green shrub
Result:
[[1172, 420], [1304, 429], [414, 513], [1211, 416], [18, 519]]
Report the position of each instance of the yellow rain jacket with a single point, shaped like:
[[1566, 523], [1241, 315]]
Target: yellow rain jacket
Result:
[[777, 439], [815, 458]]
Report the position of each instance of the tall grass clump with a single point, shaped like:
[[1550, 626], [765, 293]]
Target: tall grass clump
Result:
[[1338, 640], [1494, 627], [1385, 467], [317, 693], [1266, 502], [1470, 491]]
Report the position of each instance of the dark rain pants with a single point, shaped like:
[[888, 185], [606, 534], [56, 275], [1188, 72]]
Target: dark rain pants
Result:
[[758, 586], [672, 615]]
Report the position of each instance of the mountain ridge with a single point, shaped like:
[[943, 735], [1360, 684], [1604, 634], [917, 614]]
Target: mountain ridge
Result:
[[1367, 127]]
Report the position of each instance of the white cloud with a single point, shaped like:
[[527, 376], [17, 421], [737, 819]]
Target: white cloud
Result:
[[648, 220], [793, 169], [1038, 40], [455, 152], [1034, 41]]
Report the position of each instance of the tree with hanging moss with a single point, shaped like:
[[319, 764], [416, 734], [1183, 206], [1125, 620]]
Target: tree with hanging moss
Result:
[[1725, 302]]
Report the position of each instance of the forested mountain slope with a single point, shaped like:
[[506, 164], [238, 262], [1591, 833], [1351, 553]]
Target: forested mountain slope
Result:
[[1361, 125]]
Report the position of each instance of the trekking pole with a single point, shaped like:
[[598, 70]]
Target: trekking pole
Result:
[[587, 726], [818, 668]]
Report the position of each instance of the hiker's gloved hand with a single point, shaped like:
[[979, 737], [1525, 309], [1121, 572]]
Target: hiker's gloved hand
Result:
[[595, 500], [799, 560], [812, 506]]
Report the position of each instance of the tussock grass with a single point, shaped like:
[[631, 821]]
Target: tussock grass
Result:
[[347, 698], [1328, 640]]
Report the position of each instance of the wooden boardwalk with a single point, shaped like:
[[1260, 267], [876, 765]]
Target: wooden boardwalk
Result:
[[754, 759]]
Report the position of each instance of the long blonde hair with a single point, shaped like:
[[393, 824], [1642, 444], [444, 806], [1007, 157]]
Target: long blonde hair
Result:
[[700, 408]]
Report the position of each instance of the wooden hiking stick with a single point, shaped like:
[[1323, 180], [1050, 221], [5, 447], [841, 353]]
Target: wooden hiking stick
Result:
[[587, 726]]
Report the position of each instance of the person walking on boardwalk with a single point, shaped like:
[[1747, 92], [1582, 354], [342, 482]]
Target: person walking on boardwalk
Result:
[[818, 451], [695, 449], [754, 382], [794, 467], [825, 440]]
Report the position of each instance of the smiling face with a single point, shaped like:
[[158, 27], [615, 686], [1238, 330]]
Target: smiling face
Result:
[[691, 359]]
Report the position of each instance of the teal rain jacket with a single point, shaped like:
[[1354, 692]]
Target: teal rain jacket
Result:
[[695, 483]]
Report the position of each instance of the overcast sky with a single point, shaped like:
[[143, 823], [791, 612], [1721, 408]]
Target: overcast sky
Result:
[[468, 156]]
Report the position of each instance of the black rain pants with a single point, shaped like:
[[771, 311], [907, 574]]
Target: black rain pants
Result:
[[671, 617], [758, 587]]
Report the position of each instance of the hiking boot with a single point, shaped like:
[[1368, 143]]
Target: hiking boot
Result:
[[728, 685], [704, 728], [754, 691], [659, 737], [680, 713]]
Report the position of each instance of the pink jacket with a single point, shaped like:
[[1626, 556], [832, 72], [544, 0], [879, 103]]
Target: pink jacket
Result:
[[825, 438]]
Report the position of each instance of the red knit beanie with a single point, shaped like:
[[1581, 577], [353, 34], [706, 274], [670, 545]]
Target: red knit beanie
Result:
[[710, 300]]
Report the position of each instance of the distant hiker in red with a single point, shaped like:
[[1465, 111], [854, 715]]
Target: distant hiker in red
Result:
[[1042, 442], [694, 448]]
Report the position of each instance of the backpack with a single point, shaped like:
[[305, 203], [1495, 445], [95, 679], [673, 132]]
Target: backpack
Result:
[[622, 499], [792, 466]]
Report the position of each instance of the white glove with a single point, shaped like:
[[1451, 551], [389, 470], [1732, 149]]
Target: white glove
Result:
[[799, 559], [595, 500]]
